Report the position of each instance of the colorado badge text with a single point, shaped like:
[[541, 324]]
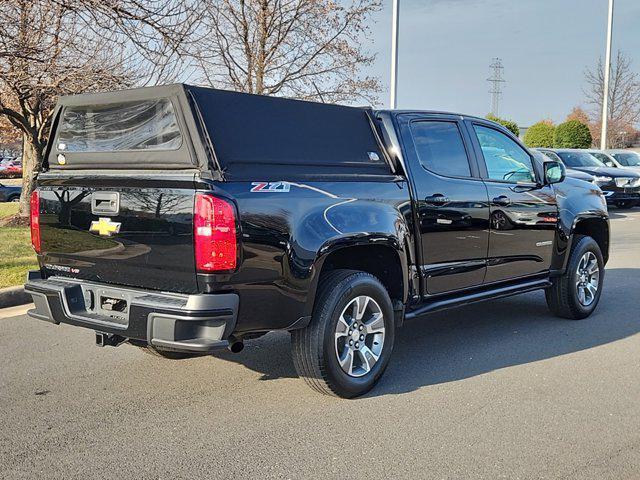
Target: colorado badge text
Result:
[[104, 227]]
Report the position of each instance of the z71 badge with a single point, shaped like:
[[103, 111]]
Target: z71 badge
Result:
[[271, 187]]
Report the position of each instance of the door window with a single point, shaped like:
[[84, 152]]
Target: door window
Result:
[[506, 160], [440, 148]]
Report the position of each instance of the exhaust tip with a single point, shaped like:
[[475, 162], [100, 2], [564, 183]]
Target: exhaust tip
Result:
[[235, 345]]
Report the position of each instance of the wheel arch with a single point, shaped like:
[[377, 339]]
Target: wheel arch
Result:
[[596, 227], [382, 256]]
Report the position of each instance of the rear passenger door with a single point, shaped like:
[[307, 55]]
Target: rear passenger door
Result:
[[451, 202], [523, 211]]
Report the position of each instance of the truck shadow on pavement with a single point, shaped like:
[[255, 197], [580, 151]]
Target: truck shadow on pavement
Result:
[[477, 339]]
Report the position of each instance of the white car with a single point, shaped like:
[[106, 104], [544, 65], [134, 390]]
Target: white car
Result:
[[626, 158]]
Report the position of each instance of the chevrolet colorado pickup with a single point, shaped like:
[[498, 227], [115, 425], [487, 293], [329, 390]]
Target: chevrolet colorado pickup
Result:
[[182, 219]]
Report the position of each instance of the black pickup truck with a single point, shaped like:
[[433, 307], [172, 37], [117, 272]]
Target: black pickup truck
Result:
[[182, 219]]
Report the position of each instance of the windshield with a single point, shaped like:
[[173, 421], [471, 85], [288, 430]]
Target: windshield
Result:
[[140, 125], [628, 159], [580, 159]]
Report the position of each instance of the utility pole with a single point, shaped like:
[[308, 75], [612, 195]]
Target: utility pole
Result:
[[607, 74], [496, 80], [394, 53]]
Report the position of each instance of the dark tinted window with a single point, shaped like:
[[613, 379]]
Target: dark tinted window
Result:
[[601, 156], [440, 148], [505, 159]]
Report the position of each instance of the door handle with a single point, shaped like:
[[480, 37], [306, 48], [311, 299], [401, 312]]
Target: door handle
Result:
[[502, 200], [436, 199]]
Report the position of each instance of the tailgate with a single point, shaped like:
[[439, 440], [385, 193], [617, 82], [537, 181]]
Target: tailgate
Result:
[[127, 232]]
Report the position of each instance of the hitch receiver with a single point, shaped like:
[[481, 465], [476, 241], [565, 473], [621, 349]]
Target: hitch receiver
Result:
[[108, 339]]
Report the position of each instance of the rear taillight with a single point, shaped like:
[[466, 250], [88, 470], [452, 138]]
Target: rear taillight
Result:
[[35, 220], [214, 229]]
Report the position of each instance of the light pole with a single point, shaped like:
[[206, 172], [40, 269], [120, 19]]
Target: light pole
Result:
[[607, 74], [394, 54]]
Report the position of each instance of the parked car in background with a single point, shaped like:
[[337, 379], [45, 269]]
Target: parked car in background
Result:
[[9, 193], [621, 187], [604, 157], [626, 158], [571, 173], [11, 168]]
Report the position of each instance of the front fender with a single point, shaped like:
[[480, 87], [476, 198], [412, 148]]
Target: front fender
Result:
[[577, 200]]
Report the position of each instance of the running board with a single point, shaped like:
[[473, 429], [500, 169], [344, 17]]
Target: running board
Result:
[[477, 296]]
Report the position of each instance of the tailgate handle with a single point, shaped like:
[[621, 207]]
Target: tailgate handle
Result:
[[105, 203]]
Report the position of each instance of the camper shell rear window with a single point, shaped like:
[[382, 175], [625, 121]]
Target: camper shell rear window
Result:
[[136, 125], [149, 128]]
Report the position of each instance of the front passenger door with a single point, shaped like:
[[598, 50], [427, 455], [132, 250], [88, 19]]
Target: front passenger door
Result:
[[523, 212]]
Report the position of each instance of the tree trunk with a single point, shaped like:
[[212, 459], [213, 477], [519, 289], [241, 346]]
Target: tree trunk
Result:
[[31, 162]]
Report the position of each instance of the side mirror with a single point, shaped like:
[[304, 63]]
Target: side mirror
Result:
[[609, 163], [554, 172]]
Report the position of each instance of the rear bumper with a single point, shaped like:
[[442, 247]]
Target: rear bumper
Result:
[[195, 323]]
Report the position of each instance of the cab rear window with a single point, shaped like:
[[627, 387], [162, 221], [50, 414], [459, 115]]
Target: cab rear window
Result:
[[126, 126]]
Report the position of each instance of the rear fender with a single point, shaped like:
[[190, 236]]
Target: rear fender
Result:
[[393, 245]]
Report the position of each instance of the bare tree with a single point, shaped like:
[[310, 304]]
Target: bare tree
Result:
[[624, 95], [50, 48], [160, 32], [43, 54], [9, 135], [309, 49]]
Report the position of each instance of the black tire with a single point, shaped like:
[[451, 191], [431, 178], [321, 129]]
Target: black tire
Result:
[[626, 205], [562, 296], [168, 354], [314, 348], [14, 199]]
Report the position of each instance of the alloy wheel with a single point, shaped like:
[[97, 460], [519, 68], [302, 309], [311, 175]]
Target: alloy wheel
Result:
[[587, 279], [359, 336]]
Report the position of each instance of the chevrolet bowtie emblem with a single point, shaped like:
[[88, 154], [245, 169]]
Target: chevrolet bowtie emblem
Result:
[[104, 227]]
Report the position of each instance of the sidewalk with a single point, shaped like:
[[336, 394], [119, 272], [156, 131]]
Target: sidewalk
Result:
[[15, 311]]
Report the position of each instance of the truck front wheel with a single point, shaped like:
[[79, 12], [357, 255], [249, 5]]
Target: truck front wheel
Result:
[[575, 294], [347, 345]]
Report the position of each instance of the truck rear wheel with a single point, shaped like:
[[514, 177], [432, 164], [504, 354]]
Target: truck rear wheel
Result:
[[575, 294], [346, 347]]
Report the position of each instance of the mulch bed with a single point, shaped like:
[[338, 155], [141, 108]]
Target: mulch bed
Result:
[[14, 221]]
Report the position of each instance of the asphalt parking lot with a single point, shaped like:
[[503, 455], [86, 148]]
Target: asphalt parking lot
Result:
[[496, 390]]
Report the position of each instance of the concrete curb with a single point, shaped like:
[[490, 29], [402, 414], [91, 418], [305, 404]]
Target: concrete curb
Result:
[[13, 296]]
